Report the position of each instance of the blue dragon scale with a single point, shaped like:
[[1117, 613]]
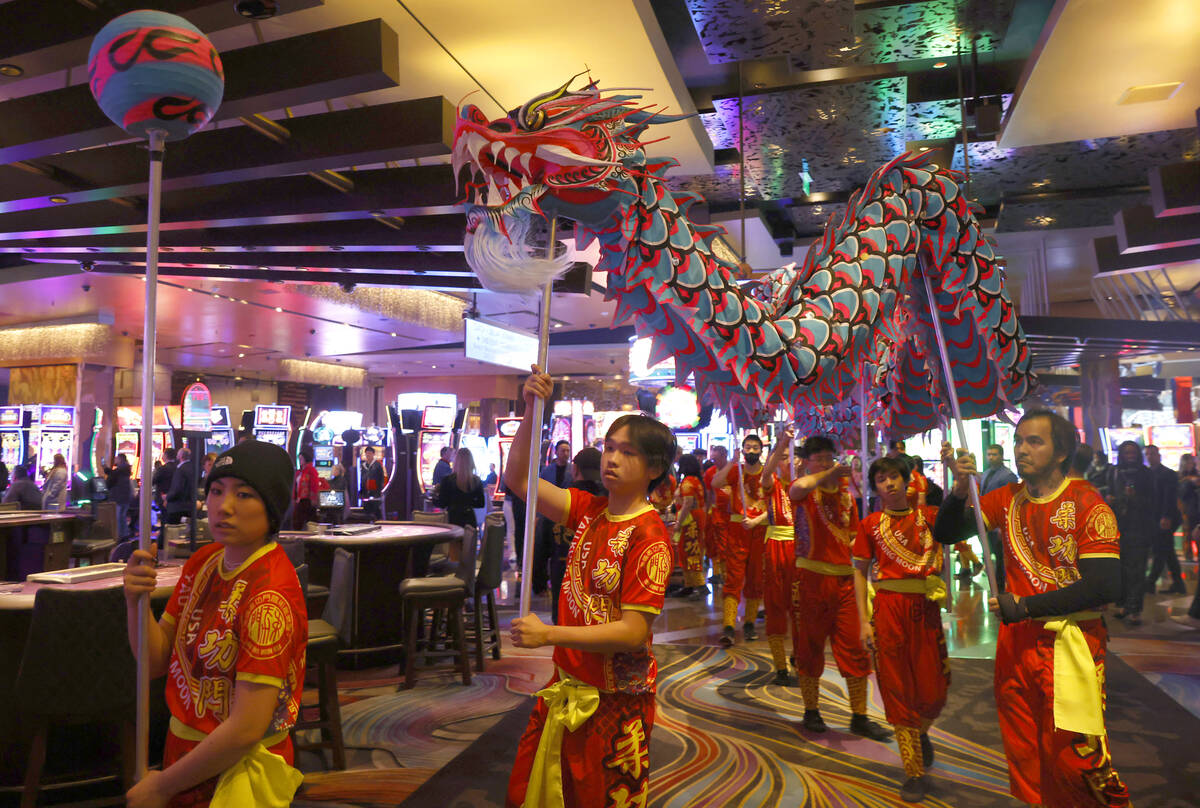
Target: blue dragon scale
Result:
[[804, 337]]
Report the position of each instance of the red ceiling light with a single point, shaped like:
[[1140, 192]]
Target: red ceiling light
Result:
[[940, 65]]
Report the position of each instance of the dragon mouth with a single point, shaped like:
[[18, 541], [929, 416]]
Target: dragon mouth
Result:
[[525, 199], [507, 175]]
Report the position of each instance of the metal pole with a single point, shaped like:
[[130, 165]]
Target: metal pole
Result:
[[149, 338], [864, 486], [947, 563], [952, 394], [535, 439]]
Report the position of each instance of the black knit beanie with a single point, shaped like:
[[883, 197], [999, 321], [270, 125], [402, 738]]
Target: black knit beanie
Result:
[[264, 467]]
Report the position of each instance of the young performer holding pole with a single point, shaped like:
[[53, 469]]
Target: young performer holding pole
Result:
[[779, 556], [905, 631], [720, 502], [587, 743], [823, 606], [747, 539], [1062, 562]]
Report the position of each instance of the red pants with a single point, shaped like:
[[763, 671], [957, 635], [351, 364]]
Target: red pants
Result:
[[823, 608], [200, 795], [605, 762], [716, 535], [691, 554], [910, 658], [744, 563], [779, 560], [1048, 766]]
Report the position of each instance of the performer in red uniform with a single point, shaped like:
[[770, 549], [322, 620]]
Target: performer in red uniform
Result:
[[1062, 562], [896, 547], [719, 505], [588, 741], [231, 642], [747, 538], [823, 606], [779, 556], [690, 526]]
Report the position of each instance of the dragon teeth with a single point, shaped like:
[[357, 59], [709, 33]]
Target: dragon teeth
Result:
[[496, 147], [521, 164]]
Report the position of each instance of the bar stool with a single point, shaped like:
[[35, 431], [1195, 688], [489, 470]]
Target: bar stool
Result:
[[488, 574], [444, 593], [322, 652]]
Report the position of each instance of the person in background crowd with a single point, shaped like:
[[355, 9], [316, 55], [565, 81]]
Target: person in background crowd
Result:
[[491, 477], [119, 482], [701, 457], [1189, 503], [688, 537], [587, 743], [337, 477], [162, 478], [3, 476], [663, 498], [237, 622], [462, 492], [1062, 545], [371, 484], [1131, 496], [918, 483], [182, 493], [442, 469], [1084, 457], [205, 467], [933, 491], [823, 605], [856, 482], [896, 450], [996, 476], [904, 626], [57, 486], [716, 543], [747, 534], [1166, 520], [557, 472], [23, 491], [1099, 474], [779, 554], [585, 477], [305, 488]]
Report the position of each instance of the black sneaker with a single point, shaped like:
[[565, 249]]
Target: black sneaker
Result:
[[749, 632], [699, 593], [727, 636], [1119, 614], [861, 725], [926, 750], [915, 789], [813, 722], [682, 592], [784, 679], [1176, 588], [762, 615], [1133, 620]]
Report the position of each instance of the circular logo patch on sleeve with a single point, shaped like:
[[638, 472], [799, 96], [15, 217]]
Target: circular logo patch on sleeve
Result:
[[1103, 524], [655, 569], [267, 626]]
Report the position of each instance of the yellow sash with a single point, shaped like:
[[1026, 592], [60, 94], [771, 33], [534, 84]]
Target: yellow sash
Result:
[[780, 533], [737, 517], [1078, 706], [261, 778], [933, 587], [569, 703], [824, 567]]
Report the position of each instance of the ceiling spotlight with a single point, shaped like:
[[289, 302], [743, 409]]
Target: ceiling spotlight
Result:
[[241, 356], [394, 334], [256, 9], [11, 71], [939, 65], [58, 200], [279, 309]]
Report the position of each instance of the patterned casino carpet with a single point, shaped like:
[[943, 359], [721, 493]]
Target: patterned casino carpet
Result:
[[724, 737]]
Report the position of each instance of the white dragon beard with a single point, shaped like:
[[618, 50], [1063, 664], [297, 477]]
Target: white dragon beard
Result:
[[507, 263]]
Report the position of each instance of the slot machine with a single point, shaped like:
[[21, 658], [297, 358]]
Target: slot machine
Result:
[[222, 431], [53, 432], [12, 436], [436, 425], [273, 424]]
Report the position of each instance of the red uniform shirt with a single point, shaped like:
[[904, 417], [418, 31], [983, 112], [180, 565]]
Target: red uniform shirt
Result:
[[692, 487], [756, 496], [780, 504], [308, 483], [918, 484], [248, 624], [721, 501], [900, 543], [1044, 538], [615, 563], [662, 496], [826, 524]]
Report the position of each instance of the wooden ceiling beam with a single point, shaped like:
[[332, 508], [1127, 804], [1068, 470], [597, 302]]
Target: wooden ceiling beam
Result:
[[355, 58], [351, 261], [403, 130], [404, 192]]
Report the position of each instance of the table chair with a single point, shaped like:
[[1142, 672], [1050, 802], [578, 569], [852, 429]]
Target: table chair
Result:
[[323, 640], [315, 595], [487, 578], [102, 536], [67, 627], [442, 594]]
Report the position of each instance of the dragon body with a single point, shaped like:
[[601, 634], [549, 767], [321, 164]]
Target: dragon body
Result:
[[855, 309]]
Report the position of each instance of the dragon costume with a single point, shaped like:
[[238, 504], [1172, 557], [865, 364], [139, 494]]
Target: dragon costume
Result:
[[856, 306]]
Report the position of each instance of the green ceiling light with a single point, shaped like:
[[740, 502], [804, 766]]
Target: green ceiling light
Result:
[[805, 177]]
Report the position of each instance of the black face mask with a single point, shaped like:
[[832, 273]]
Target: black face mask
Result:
[[751, 458]]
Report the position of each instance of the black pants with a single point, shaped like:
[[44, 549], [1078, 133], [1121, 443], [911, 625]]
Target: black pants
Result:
[[995, 546], [1163, 550], [518, 512], [1133, 575], [558, 571], [372, 509]]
